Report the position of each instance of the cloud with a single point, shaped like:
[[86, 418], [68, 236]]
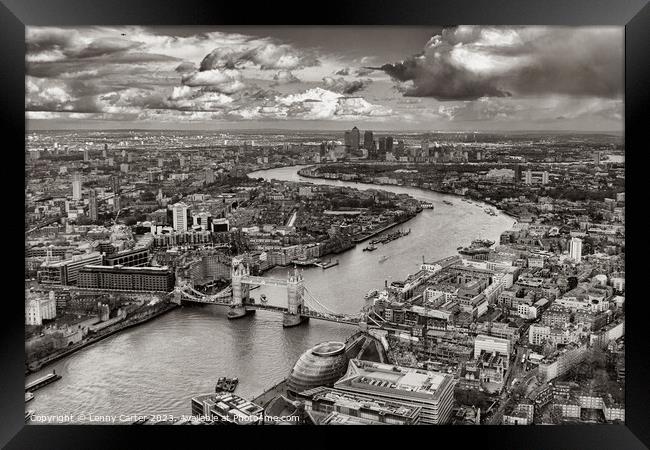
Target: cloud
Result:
[[313, 104], [470, 62], [363, 71], [539, 109], [285, 77], [185, 67], [227, 81], [343, 86], [553, 75], [47, 96], [266, 56]]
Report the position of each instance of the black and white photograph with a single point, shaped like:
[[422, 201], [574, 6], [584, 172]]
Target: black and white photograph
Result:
[[324, 225]]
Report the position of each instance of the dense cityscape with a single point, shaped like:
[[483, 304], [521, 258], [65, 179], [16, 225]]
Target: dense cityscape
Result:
[[523, 324]]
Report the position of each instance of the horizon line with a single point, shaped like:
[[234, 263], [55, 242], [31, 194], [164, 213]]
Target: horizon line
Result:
[[334, 130]]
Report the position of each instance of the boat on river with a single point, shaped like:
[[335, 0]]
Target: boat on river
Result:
[[327, 264], [383, 258], [370, 248], [226, 384]]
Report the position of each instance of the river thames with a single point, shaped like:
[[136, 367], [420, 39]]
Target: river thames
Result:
[[156, 367]]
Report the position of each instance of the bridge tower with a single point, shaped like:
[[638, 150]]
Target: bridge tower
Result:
[[239, 290], [295, 300]]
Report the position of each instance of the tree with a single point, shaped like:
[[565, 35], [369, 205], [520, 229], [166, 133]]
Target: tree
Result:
[[130, 221], [147, 196]]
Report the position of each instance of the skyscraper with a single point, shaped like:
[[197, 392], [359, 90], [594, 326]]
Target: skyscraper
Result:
[[116, 184], [368, 140], [92, 204], [179, 212], [517, 173], [575, 249], [76, 186], [209, 176], [86, 155], [529, 177], [355, 138], [597, 158]]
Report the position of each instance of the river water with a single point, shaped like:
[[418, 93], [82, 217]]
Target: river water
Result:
[[156, 367]]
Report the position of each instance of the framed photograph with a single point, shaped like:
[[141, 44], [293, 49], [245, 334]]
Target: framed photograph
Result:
[[407, 214]]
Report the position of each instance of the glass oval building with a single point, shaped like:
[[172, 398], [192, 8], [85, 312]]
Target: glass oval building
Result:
[[322, 365]]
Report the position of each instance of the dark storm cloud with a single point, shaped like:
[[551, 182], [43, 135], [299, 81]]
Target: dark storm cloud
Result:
[[70, 67], [49, 39], [466, 63], [61, 43]]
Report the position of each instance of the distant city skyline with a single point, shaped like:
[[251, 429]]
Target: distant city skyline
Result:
[[393, 79]]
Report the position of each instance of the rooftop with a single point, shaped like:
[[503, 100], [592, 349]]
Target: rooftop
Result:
[[377, 376]]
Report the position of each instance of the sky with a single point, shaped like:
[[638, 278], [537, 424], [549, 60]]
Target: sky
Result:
[[479, 78]]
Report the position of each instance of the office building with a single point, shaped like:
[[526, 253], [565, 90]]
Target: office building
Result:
[[202, 219], [121, 278], [432, 391], [352, 138], [209, 176], [226, 408], [179, 214], [66, 272], [116, 184], [76, 186], [368, 140], [575, 249], [220, 225], [490, 344], [321, 402], [540, 177], [137, 257], [92, 204]]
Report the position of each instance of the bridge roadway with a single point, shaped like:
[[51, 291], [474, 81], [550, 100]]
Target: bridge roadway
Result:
[[262, 307]]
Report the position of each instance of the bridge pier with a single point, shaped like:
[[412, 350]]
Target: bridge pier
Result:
[[292, 320], [236, 312], [239, 291], [295, 301]]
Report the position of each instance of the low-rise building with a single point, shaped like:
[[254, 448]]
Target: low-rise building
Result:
[[432, 391], [322, 401]]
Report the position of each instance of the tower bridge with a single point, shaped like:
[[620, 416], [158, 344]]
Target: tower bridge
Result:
[[301, 304]]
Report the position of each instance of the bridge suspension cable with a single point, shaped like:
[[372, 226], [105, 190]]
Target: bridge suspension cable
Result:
[[313, 298]]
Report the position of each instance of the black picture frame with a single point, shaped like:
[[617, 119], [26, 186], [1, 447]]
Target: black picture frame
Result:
[[633, 14]]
